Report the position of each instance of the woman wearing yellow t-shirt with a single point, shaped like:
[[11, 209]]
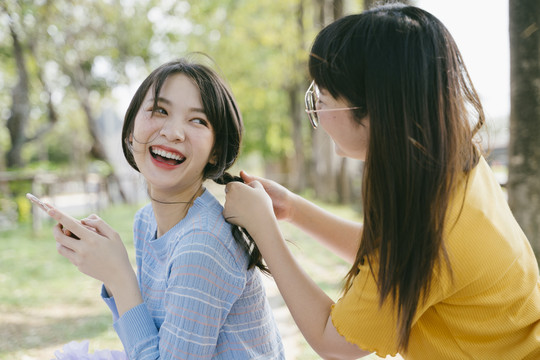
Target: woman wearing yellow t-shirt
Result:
[[440, 268]]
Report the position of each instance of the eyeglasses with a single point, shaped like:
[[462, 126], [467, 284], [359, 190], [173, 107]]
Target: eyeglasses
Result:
[[311, 98]]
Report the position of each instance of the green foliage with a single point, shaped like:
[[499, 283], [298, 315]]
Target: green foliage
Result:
[[20, 187], [101, 168], [76, 51], [25, 209], [8, 212], [61, 146], [90, 54], [261, 58]]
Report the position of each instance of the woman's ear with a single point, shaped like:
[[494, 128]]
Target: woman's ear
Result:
[[213, 160], [130, 139]]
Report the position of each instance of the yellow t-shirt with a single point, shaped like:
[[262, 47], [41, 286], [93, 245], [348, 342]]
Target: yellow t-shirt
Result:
[[490, 309]]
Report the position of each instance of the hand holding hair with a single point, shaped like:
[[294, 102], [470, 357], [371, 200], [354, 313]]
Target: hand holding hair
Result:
[[240, 234], [248, 205], [282, 198]]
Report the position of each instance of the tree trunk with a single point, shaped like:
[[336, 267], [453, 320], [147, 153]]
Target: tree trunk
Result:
[[81, 86], [18, 120], [370, 3], [343, 183], [20, 107], [524, 147], [326, 165], [298, 182], [338, 9], [295, 92]]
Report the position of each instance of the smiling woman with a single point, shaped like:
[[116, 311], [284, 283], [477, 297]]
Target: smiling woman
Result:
[[198, 290], [166, 156], [173, 141]]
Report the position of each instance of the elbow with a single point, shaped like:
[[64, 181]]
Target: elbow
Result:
[[329, 355], [350, 352], [334, 356], [333, 346], [329, 349]]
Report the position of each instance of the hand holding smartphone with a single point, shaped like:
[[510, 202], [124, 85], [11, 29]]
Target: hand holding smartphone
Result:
[[43, 206], [38, 202]]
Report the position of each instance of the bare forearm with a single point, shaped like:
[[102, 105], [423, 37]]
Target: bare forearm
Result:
[[341, 236], [308, 304]]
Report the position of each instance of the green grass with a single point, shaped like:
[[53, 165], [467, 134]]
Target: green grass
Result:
[[45, 301]]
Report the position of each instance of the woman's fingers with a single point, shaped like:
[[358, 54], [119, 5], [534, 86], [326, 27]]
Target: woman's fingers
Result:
[[233, 187], [67, 253], [74, 226], [232, 200], [97, 224], [65, 240], [245, 204], [256, 184], [246, 177]]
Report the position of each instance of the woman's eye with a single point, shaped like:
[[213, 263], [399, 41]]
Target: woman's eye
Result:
[[200, 121], [160, 111], [157, 110]]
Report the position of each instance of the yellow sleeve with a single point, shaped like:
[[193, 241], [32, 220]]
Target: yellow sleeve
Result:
[[358, 317]]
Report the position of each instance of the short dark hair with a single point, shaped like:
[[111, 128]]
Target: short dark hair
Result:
[[218, 103], [220, 107]]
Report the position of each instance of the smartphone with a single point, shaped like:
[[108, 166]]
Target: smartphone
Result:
[[38, 202], [46, 208]]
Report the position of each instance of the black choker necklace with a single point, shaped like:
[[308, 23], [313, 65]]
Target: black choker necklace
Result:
[[197, 193]]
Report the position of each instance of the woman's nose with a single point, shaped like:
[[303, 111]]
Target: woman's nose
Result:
[[173, 131]]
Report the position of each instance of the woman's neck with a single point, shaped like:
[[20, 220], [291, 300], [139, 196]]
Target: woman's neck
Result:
[[170, 211]]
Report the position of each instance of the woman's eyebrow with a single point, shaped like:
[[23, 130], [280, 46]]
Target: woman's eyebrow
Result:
[[169, 102], [159, 99], [198, 110]]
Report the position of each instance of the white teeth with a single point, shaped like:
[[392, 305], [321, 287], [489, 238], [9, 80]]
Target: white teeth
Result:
[[167, 154]]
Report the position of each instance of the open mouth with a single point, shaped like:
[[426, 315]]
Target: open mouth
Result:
[[167, 157]]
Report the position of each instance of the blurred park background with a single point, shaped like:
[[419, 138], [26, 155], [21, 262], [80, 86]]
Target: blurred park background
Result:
[[68, 69]]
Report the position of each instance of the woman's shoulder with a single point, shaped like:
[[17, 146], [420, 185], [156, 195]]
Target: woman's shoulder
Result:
[[480, 210], [206, 215], [144, 221], [482, 234], [206, 229], [145, 213]]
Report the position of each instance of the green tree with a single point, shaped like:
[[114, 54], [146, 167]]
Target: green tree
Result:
[[83, 51], [23, 48], [61, 44], [262, 49]]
